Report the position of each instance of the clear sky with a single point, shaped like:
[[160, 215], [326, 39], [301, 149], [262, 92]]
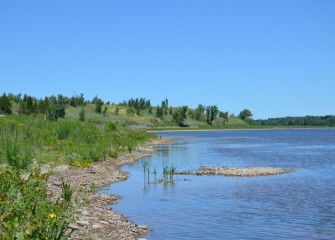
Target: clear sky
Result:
[[274, 57]]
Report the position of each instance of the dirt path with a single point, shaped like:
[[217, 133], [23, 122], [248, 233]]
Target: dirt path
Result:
[[94, 220]]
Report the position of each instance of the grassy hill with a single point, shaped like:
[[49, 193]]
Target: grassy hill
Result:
[[122, 118]]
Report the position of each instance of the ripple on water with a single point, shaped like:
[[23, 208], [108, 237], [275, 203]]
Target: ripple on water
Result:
[[298, 205]]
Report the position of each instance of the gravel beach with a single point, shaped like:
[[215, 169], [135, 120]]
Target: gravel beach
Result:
[[93, 219]]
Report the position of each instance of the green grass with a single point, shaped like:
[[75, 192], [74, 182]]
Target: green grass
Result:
[[26, 211]]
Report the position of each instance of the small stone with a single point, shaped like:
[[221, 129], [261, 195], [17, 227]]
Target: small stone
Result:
[[142, 227], [84, 212], [83, 223], [72, 226], [61, 168], [96, 226], [104, 222], [57, 183]]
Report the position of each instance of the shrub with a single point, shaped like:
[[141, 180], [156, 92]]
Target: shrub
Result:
[[63, 130], [26, 211], [82, 115]]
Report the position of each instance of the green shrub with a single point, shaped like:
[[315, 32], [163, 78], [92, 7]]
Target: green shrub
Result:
[[26, 211], [63, 130]]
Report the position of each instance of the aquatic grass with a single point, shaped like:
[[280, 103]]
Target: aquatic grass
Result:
[[155, 172], [145, 165], [165, 173], [172, 171], [66, 191], [146, 170]]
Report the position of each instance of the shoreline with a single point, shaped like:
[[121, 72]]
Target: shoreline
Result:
[[235, 129], [94, 220]]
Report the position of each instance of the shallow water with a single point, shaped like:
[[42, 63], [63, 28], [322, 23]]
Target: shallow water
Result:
[[298, 205]]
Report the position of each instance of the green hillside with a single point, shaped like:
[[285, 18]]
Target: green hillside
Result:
[[124, 118]]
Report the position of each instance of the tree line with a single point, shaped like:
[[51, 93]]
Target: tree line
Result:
[[53, 108], [317, 121]]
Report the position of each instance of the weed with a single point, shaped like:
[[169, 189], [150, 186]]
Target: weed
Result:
[[66, 192]]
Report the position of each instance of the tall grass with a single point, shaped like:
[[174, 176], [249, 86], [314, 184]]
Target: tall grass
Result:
[[26, 211]]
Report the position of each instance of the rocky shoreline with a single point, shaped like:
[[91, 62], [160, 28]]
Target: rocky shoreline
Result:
[[93, 219], [237, 172]]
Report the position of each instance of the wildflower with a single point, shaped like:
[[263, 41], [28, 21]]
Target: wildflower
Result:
[[51, 216]]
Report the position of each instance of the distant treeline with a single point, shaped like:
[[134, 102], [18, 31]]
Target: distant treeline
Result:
[[316, 121], [53, 108]]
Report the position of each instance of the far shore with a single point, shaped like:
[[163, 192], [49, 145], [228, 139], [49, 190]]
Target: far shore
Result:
[[231, 129]]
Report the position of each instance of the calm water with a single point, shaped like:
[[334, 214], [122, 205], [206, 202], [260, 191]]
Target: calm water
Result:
[[299, 205]]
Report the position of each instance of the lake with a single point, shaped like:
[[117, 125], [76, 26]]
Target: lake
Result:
[[298, 205]]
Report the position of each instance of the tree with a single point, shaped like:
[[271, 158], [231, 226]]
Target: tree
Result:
[[159, 112], [224, 116], [56, 107], [29, 105], [61, 101], [199, 112], [43, 106], [245, 114], [5, 105], [98, 104], [211, 113], [82, 114], [179, 116], [150, 110]]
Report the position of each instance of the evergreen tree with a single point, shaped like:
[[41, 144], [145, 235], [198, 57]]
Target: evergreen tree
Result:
[[159, 112], [56, 107], [5, 105], [82, 114], [150, 110], [98, 104]]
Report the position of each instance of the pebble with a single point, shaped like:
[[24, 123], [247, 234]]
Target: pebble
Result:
[[57, 183], [83, 223], [96, 226], [72, 226], [104, 222]]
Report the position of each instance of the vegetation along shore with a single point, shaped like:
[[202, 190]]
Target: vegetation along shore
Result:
[[57, 151]]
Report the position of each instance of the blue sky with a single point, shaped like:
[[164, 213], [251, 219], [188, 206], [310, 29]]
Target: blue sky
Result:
[[276, 58]]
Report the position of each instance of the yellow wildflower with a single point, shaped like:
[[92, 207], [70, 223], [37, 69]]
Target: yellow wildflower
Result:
[[51, 216]]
